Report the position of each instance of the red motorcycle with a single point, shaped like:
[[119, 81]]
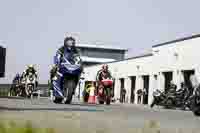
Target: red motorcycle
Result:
[[104, 91]]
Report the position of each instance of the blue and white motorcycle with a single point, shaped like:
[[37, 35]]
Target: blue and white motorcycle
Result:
[[66, 79]]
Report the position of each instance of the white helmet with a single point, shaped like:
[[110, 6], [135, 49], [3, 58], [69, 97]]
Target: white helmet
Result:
[[30, 66]]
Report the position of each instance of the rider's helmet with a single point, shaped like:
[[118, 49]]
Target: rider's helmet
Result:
[[30, 66], [53, 66], [17, 75], [105, 67], [69, 42]]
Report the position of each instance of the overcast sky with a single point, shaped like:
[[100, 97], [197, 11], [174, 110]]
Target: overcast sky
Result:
[[32, 29]]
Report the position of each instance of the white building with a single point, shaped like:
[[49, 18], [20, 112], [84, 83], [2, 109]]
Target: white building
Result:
[[175, 60], [97, 54]]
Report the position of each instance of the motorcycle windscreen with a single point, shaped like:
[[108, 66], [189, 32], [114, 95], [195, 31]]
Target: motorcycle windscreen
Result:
[[71, 69]]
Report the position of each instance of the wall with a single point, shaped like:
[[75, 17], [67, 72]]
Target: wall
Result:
[[173, 57], [125, 69], [102, 53], [177, 57]]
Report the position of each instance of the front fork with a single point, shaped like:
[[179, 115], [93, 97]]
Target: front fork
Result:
[[57, 85]]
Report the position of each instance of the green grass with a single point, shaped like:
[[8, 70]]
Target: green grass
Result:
[[4, 92], [12, 127]]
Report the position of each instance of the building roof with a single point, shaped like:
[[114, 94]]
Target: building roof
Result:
[[177, 40], [140, 56], [100, 47], [135, 57], [96, 60]]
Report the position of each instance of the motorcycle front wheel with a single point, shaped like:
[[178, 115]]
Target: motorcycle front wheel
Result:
[[108, 96], [69, 86], [30, 91]]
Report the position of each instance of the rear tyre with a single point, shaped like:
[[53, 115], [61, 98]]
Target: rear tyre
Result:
[[101, 100], [69, 86], [108, 101], [23, 91], [30, 91], [86, 96]]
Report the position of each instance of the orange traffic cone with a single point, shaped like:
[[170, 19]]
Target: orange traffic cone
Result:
[[92, 97]]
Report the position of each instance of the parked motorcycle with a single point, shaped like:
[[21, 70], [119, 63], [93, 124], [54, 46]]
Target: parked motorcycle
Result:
[[66, 79], [195, 101], [180, 99], [30, 84], [176, 99], [104, 91], [159, 98]]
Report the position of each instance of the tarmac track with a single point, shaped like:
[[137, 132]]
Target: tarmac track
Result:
[[115, 118]]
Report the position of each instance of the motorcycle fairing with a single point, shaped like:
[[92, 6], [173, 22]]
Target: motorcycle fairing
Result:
[[67, 68]]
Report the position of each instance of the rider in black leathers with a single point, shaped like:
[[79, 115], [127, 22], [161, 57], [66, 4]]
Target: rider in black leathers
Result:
[[15, 81], [17, 77]]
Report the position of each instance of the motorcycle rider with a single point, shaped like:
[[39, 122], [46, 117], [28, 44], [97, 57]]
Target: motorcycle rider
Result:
[[16, 78], [70, 49], [16, 81], [103, 74], [31, 69]]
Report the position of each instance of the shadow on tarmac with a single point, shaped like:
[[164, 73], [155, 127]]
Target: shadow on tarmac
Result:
[[50, 109]]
